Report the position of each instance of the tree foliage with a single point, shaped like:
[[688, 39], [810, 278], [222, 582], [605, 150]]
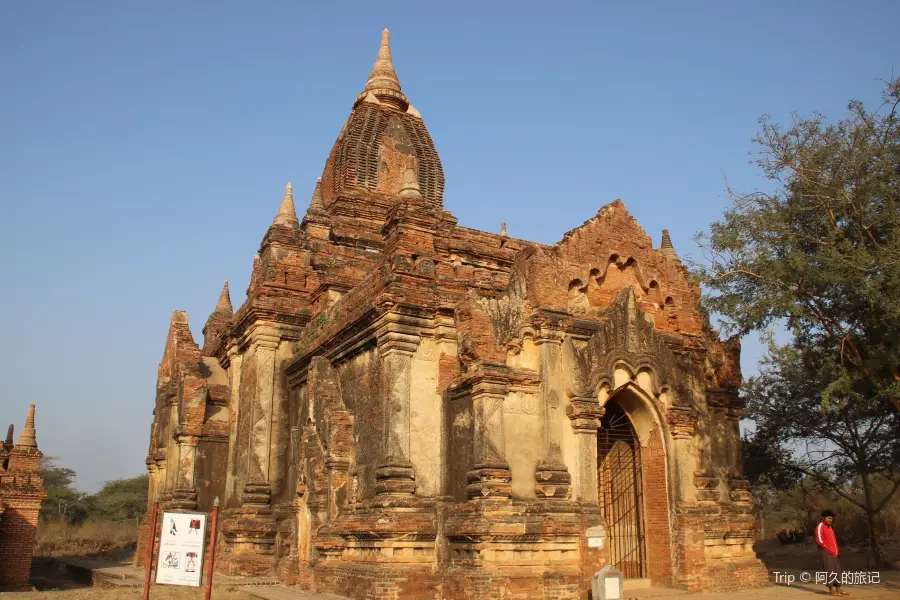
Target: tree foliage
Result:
[[122, 499], [119, 500], [63, 502], [820, 254]]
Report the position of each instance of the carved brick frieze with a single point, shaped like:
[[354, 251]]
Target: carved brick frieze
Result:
[[625, 336]]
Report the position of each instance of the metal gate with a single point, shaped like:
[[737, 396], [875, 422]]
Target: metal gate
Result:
[[621, 491]]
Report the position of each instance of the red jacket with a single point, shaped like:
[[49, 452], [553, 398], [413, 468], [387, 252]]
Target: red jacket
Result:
[[825, 538]]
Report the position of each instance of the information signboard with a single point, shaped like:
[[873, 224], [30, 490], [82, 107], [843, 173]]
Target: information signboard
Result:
[[181, 544]]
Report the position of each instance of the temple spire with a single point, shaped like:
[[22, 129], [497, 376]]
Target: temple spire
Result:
[[9, 435], [27, 438], [383, 76], [383, 82], [317, 203], [224, 303], [503, 228], [665, 246], [287, 216]]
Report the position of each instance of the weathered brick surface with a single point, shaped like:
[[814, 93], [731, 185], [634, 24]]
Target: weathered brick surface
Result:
[[656, 504], [407, 408], [21, 493]]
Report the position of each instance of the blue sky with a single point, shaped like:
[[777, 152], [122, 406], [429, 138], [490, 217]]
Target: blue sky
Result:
[[144, 149]]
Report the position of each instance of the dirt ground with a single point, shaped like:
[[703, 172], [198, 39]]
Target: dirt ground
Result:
[[160, 592], [55, 583], [804, 556]]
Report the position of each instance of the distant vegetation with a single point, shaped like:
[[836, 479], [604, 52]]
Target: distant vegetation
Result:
[[74, 523], [118, 501]]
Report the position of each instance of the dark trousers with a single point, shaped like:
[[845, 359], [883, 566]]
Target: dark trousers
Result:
[[830, 564]]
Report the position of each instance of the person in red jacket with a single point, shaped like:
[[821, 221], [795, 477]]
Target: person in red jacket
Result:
[[828, 552]]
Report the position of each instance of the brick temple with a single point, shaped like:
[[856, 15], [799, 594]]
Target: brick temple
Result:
[[404, 407], [21, 494]]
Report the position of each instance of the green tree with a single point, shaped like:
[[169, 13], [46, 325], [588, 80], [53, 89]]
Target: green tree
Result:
[[122, 499], [840, 446], [820, 254], [63, 502], [768, 473]]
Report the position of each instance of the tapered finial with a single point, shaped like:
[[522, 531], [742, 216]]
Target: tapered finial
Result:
[[27, 438], [383, 81], [9, 435], [224, 303], [383, 76], [317, 203], [665, 246], [503, 228], [286, 214], [666, 240]]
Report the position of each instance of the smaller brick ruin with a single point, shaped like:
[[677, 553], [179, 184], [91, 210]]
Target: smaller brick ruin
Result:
[[21, 493]]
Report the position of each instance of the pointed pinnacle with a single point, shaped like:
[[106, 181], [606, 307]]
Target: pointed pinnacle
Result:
[[503, 228], [409, 188], [665, 246], [224, 303], [286, 214], [317, 203], [9, 435], [27, 438], [383, 76], [666, 240]]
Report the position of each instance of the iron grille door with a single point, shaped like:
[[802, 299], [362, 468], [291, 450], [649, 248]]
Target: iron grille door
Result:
[[621, 491]]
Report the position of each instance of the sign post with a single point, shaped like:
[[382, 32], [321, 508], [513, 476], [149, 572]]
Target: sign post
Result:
[[152, 536], [181, 543], [212, 548]]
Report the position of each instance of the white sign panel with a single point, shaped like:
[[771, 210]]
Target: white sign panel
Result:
[[612, 588], [181, 543]]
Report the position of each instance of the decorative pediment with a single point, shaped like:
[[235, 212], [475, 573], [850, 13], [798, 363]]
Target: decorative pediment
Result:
[[626, 337]]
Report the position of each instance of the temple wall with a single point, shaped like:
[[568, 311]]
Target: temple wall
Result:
[[280, 438], [522, 427], [461, 433], [246, 400], [172, 452], [425, 417], [363, 386], [232, 480], [211, 462]]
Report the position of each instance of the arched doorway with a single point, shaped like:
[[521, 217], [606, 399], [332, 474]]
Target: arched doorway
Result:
[[621, 491]]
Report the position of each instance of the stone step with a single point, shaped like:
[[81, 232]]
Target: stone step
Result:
[[636, 583]]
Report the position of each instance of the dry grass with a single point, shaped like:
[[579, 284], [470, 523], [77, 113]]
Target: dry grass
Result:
[[61, 539]]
